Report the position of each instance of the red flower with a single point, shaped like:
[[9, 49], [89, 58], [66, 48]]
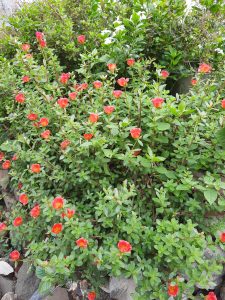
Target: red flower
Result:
[[15, 157], [23, 199], [81, 39], [42, 43], [80, 87], [130, 62], [157, 102], [32, 117], [70, 213], [25, 79], [91, 295], [20, 98], [18, 221], [88, 136], [2, 155], [109, 109], [39, 36], [3, 227], [173, 290], [117, 93], [57, 228], [14, 255], [29, 56], [6, 165], [124, 246], [194, 81], [204, 68], [93, 118], [222, 237], [73, 95], [123, 81], [20, 185], [25, 47], [164, 74], [64, 78], [63, 102], [58, 203], [111, 67], [35, 168], [135, 133], [44, 122], [65, 144], [35, 211], [45, 134], [97, 84], [82, 243], [223, 103], [211, 296]]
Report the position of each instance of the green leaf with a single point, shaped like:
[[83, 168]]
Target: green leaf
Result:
[[163, 126], [40, 272], [210, 196]]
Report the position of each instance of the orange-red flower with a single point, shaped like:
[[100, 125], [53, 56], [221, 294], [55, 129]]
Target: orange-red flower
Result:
[[18, 221], [211, 296], [173, 290], [204, 68], [35, 168], [15, 157], [3, 227], [20, 98], [222, 237], [108, 109], [135, 133], [63, 102], [157, 102], [80, 87], [69, 213], [14, 255], [25, 79], [164, 74], [32, 117], [97, 84], [82, 243], [124, 246], [57, 228], [2, 155], [91, 295], [130, 62], [44, 122], [73, 95], [23, 198], [39, 36], [58, 203], [35, 211], [88, 136], [194, 81], [81, 39], [93, 118], [117, 93], [6, 165], [42, 43], [25, 47], [123, 81], [111, 67], [64, 78], [223, 103], [46, 134], [64, 144]]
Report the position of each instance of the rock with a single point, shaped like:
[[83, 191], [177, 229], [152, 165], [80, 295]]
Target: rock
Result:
[[9, 296], [120, 288], [58, 294], [27, 282], [4, 179], [5, 268], [6, 285], [36, 296], [9, 199]]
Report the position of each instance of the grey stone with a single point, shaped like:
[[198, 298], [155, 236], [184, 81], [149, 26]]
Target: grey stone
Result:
[[27, 282], [58, 294], [4, 179], [9, 296], [222, 291], [6, 285], [36, 296], [9, 199], [121, 288]]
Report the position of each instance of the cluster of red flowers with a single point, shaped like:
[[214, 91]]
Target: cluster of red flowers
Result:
[[40, 38]]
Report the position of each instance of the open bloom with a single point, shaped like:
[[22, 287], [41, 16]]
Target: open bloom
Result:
[[117, 93], [194, 81], [6, 165], [223, 103], [80, 87], [3, 227], [46, 134], [25, 47], [14, 255], [109, 109], [58, 203], [69, 213], [44, 122], [204, 68], [81, 39], [130, 62], [164, 74], [32, 117], [123, 81], [63, 102], [25, 79], [93, 118], [88, 136], [23, 198], [211, 296], [124, 246], [35, 211], [57, 228], [222, 237], [135, 133], [64, 144], [73, 95], [157, 102], [91, 295], [173, 290], [97, 84], [20, 98], [35, 168], [111, 67], [64, 78], [82, 243], [18, 221]]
